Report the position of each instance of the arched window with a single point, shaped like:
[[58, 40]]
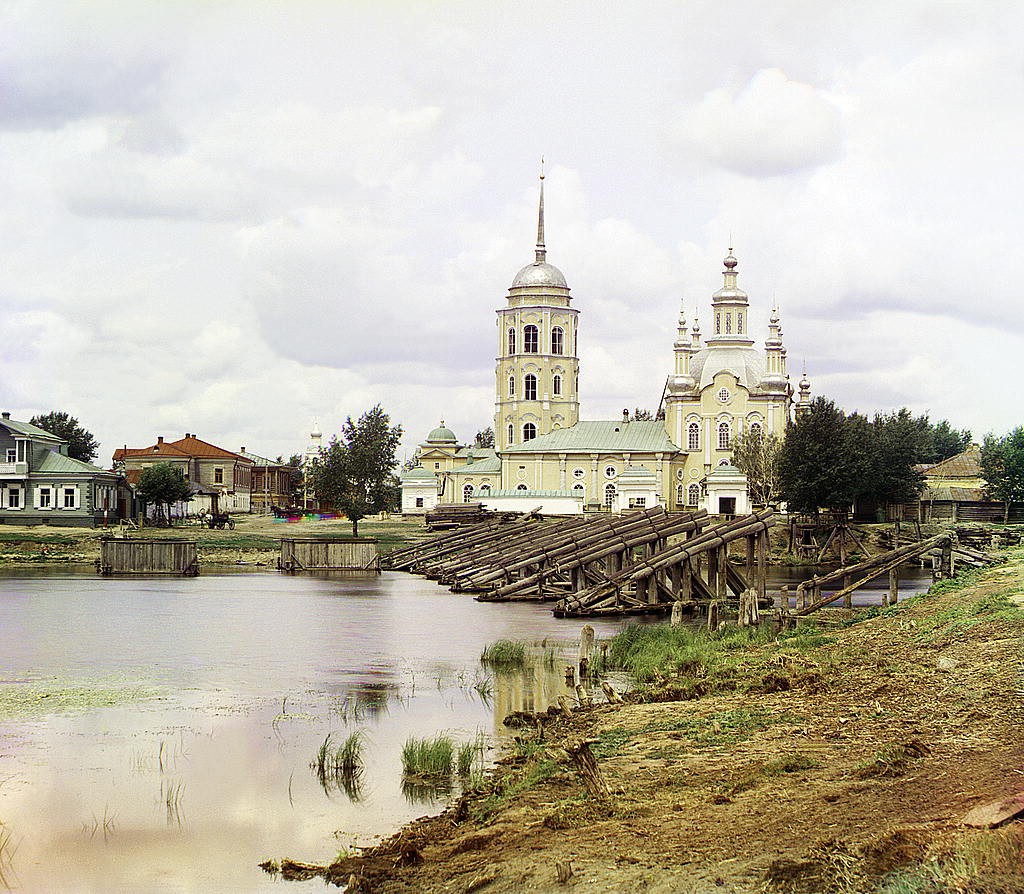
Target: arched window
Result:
[[485, 490], [693, 436], [739, 323], [577, 490], [718, 323], [511, 386], [511, 341], [680, 491], [693, 495], [556, 385], [723, 436], [728, 323], [530, 387], [521, 487], [511, 433], [531, 340], [609, 496], [756, 430], [529, 431], [557, 340], [467, 493]]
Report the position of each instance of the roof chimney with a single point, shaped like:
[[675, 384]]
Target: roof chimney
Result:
[[6, 415], [160, 439]]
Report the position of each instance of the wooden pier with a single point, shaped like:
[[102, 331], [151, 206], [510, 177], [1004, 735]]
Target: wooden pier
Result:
[[136, 556], [329, 554]]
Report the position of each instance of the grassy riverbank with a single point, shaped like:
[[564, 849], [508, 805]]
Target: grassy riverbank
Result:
[[255, 540], [837, 759]]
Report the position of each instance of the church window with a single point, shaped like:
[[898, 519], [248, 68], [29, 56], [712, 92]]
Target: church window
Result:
[[577, 490], [530, 387], [693, 495], [679, 495], [419, 502], [723, 436], [467, 493], [556, 385], [718, 323], [511, 386], [693, 436], [511, 434], [531, 340], [739, 323], [485, 490], [511, 341], [755, 429], [723, 395], [521, 487], [728, 323], [529, 431], [609, 495], [557, 340], [609, 471], [437, 466], [578, 473]]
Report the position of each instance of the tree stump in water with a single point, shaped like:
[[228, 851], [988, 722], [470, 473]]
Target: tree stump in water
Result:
[[586, 652], [713, 616], [587, 766], [609, 693]]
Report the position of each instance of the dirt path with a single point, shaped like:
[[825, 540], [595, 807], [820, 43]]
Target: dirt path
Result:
[[848, 759]]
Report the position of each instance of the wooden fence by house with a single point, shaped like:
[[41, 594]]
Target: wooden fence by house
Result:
[[329, 554], [135, 556]]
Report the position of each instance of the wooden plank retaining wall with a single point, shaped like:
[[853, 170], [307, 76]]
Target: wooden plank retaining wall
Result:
[[124, 556], [329, 554]]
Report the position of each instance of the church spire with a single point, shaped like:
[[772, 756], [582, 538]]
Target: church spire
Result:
[[541, 251]]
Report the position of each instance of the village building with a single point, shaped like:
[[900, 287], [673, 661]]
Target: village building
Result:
[[221, 480], [717, 390], [41, 485], [272, 483]]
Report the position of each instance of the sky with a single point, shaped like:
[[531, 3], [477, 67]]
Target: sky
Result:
[[233, 218]]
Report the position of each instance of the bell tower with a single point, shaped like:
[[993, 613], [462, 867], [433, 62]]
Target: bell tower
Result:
[[537, 368]]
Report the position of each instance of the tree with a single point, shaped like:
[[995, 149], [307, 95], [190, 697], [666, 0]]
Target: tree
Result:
[[757, 456], [822, 461], [947, 441], [81, 444], [642, 415], [163, 484], [354, 472], [893, 446], [484, 438], [1002, 467]]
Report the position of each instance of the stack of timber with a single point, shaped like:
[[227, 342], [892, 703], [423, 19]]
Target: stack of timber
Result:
[[566, 557], [675, 573], [446, 516], [943, 550]]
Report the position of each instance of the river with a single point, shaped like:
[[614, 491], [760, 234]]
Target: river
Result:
[[158, 734]]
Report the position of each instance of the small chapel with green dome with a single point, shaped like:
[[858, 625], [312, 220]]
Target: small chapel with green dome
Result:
[[545, 456]]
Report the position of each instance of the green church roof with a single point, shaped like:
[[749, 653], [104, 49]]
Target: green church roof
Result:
[[601, 437]]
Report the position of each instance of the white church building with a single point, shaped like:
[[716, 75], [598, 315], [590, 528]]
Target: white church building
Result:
[[546, 457]]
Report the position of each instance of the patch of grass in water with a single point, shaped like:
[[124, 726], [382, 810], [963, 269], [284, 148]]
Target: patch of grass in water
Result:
[[35, 698], [505, 654], [427, 757]]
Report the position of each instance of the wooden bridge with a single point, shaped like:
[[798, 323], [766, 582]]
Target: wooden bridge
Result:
[[648, 561]]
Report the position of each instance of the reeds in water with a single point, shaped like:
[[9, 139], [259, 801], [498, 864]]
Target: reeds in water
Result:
[[341, 766], [427, 757], [505, 654]]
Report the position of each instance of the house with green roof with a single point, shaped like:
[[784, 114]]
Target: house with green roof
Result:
[[41, 485]]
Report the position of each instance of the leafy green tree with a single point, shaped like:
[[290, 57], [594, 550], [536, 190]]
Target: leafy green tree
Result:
[[161, 485], [81, 444], [892, 447], [757, 456], [947, 441], [1002, 467], [484, 438], [822, 461], [354, 473]]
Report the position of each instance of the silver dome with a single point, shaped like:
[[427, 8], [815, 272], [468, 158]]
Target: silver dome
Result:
[[539, 274]]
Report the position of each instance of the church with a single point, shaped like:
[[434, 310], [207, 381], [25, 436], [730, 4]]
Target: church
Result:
[[546, 457]]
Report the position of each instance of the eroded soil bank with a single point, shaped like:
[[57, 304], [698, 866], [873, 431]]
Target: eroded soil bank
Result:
[[837, 761]]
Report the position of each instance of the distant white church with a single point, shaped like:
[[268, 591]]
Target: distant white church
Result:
[[545, 456]]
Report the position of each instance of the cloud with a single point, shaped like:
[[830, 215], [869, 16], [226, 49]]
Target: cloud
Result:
[[770, 126]]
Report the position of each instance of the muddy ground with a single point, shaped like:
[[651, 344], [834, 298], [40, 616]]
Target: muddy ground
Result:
[[847, 765]]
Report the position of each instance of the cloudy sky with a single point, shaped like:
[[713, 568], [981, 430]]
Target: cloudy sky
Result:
[[229, 218]]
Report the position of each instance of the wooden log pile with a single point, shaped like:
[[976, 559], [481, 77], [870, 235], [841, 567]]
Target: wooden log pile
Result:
[[446, 516]]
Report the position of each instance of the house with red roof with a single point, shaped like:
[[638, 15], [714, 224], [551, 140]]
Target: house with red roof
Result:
[[221, 480]]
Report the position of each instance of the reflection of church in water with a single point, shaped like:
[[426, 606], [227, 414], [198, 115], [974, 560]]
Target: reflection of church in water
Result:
[[720, 387]]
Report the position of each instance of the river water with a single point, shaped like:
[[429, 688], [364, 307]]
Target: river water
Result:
[[158, 734]]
